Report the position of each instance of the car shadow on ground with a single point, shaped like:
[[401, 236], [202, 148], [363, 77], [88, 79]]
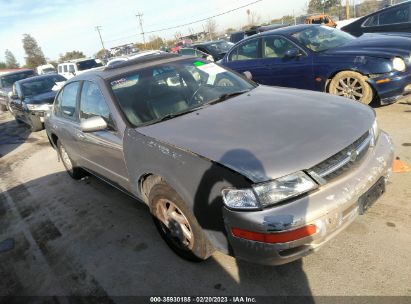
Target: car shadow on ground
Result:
[[87, 238], [12, 135]]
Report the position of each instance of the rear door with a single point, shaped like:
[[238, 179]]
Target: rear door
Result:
[[247, 57], [101, 151]]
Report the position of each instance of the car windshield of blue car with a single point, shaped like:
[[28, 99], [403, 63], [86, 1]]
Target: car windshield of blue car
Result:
[[322, 38], [168, 90], [40, 86]]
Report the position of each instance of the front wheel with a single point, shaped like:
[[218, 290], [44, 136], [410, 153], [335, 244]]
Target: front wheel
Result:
[[177, 224], [352, 85]]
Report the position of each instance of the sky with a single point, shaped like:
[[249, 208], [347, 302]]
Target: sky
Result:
[[60, 26]]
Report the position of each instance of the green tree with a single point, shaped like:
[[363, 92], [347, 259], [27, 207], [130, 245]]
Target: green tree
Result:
[[11, 61], [2, 65], [71, 56], [34, 54]]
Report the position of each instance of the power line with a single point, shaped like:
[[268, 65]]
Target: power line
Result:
[[98, 28], [190, 23]]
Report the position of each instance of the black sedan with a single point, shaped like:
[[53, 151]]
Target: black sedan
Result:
[[33, 97], [217, 49], [393, 19]]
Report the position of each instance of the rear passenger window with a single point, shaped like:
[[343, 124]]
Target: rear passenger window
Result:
[[65, 68], [92, 103], [60, 69], [393, 16], [247, 51], [67, 103]]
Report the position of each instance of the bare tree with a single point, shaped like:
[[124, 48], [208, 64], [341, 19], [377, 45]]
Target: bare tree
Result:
[[211, 28]]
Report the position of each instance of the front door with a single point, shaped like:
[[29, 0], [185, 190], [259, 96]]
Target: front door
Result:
[[281, 69], [101, 151]]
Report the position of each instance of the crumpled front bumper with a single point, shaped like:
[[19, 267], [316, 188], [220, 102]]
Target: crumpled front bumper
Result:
[[331, 209], [398, 87]]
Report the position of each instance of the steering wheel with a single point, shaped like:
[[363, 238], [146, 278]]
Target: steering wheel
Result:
[[191, 100]]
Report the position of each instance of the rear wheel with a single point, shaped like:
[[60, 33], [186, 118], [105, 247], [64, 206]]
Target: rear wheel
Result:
[[352, 85], [71, 168], [177, 224]]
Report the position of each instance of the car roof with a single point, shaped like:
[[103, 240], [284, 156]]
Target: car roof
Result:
[[289, 29], [34, 78], [208, 42], [131, 65]]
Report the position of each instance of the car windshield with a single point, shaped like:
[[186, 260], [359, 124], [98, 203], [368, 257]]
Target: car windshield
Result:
[[322, 38], [162, 92], [49, 70], [88, 64], [220, 46], [40, 85], [9, 80]]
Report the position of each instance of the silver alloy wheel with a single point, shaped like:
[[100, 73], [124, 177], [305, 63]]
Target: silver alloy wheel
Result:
[[65, 158], [351, 88], [175, 221]]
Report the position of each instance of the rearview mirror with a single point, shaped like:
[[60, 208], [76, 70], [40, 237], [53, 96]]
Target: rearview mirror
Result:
[[248, 75], [292, 53], [93, 124]]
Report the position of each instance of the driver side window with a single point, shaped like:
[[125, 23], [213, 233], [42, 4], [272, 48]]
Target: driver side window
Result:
[[276, 47], [92, 103]]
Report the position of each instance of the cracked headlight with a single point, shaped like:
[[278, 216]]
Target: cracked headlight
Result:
[[398, 64], [269, 193], [375, 131]]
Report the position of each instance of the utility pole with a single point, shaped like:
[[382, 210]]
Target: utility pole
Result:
[[98, 29], [139, 16], [347, 8], [354, 9]]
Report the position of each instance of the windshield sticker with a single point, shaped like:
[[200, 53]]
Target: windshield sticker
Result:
[[198, 63], [211, 69]]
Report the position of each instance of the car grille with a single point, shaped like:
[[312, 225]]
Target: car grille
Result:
[[341, 162]]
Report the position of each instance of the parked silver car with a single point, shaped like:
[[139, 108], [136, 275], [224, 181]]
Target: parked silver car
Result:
[[261, 173]]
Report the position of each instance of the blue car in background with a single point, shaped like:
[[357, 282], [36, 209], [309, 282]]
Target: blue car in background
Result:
[[314, 57]]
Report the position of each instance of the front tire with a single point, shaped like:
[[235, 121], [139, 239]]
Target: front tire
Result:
[[352, 85], [177, 224], [71, 168]]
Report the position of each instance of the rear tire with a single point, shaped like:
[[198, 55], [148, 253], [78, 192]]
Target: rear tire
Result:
[[71, 168], [177, 224], [352, 85]]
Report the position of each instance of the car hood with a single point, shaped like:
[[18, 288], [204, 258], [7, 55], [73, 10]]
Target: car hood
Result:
[[269, 132], [377, 45], [47, 97]]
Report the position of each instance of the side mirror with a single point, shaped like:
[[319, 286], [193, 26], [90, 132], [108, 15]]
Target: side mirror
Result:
[[93, 124], [292, 53], [248, 75]]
